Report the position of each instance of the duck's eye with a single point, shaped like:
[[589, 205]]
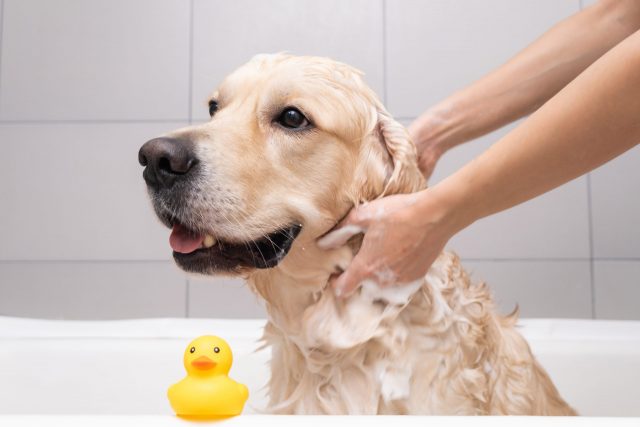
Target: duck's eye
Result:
[[213, 107], [216, 349], [292, 118], [192, 350]]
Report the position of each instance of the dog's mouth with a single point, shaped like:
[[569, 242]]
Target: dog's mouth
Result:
[[204, 253]]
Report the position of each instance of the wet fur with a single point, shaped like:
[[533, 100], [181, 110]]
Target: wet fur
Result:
[[436, 346]]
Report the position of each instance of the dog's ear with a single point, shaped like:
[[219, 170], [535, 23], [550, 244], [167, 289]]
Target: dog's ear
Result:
[[404, 176]]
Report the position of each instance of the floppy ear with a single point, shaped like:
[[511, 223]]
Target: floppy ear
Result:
[[405, 176]]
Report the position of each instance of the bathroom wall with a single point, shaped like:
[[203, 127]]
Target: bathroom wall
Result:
[[83, 83]]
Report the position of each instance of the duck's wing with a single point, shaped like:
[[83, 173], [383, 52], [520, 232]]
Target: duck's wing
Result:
[[244, 391]]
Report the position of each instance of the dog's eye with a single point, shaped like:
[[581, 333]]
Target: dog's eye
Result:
[[293, 119], [213, 107]]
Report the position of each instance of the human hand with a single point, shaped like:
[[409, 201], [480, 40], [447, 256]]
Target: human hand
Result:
[[424, 132], [403, 235]]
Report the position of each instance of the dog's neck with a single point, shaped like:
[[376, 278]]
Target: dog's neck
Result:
[[304, 311], [297, 283], [317, 338]]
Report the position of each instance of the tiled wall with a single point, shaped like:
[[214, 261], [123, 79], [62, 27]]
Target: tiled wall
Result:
[[83, 83]]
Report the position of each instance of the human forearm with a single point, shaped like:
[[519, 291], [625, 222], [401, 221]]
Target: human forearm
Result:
[[529, 79], [592, 120]]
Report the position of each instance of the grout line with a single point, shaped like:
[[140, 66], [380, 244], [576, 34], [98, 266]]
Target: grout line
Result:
[[187, 289], [91, 121], [190, 67], [150, 261], [618, 259], [1, 41], [523, 259], [591, 249], [84, 261], [384, 53], [621, 259], [118, 121]]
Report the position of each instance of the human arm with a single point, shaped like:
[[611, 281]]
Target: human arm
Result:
[[524, 83], [592, 120]]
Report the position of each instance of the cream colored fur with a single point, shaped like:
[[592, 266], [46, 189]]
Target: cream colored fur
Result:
[[436, 346]]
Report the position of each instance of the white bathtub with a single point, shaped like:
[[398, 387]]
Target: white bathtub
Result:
[[57, 368]]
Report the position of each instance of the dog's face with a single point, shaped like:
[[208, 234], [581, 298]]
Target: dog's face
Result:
[[293, 143]]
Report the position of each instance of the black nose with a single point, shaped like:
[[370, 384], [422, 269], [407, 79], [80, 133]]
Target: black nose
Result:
[[166, 160]]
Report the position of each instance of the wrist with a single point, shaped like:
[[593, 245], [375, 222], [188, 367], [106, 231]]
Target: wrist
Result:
[[438, 129], [450, 205]]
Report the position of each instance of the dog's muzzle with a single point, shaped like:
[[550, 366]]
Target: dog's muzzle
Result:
[[166, 161]]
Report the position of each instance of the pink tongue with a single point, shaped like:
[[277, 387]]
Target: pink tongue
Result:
[[182, 241]]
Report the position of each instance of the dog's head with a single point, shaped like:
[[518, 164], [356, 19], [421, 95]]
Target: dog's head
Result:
[[292, 145]]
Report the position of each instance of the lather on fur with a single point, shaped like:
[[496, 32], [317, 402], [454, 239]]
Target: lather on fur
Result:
[[436, 346]]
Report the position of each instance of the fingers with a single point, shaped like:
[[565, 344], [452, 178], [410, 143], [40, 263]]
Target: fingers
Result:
[[355, 222], [339, 236], [347, 282]]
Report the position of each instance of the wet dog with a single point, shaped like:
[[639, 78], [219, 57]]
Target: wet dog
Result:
[[293, 144]]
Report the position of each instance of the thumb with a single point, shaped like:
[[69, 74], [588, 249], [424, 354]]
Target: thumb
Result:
[[339, 236], [354, 223], [346, 283]]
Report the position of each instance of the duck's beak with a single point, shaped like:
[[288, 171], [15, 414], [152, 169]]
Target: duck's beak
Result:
[[203, 362]]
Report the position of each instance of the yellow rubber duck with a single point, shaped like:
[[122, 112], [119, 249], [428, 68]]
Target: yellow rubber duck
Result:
[[207, 391]]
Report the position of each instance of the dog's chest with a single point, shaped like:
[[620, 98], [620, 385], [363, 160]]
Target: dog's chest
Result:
[[401, 371]]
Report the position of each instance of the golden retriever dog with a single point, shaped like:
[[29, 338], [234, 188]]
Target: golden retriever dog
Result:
[[293, 144]]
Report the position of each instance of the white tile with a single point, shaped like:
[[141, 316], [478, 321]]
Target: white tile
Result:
[[76, 192], [554, 225], [87, 290], [228, 33], [617, 289], [95, 59], [1, 26], [223, 297], [439, 46], [586, 3], [615, 202], [541, 289]]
